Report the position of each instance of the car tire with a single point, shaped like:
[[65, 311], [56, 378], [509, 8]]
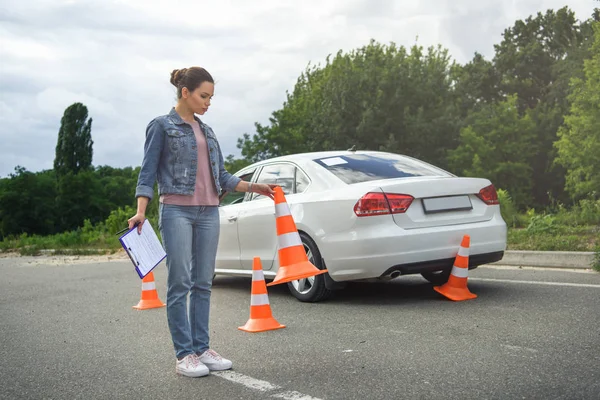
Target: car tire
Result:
[[437, 277], [313, 289]]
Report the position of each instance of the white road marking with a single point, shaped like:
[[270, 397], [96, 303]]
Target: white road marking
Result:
[[293, 396], [247, 381], [588, 285], [262, 386], [522, 267]]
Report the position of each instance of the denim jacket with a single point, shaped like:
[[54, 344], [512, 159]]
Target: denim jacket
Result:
[[171, 157]]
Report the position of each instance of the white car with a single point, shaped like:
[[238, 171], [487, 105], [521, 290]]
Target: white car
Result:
[[363, 215]]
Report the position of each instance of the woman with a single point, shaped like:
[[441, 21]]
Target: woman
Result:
[[183, 154]]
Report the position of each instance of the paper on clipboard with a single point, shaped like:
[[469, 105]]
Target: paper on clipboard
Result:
[[144, 249]]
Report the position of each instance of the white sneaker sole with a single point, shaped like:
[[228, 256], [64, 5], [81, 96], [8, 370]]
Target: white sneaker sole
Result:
[[219, 368], [192, 374]]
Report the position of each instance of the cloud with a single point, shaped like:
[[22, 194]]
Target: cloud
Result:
[[116, 57], [53, 101]]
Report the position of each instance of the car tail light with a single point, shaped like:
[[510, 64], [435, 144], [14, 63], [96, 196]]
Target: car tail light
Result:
[[381, 204], [488, 195], [399, 203]]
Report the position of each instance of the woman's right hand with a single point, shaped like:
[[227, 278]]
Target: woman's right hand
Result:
[[138, 219]]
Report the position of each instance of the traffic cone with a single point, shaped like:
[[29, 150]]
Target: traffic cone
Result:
[[456, 287], [149, 294], [261, 317], [293, 263]]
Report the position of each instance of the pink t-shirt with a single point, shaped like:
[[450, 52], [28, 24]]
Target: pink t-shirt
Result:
[[205, 193]]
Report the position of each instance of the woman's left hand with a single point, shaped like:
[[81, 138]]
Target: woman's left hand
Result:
[[264, 189]]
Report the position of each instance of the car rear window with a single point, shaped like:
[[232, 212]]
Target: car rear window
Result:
[[356, 168]]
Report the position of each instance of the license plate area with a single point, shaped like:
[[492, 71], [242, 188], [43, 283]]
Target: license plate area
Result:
[[434, 205]]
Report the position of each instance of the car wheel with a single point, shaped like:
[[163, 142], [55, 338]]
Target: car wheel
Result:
[[310, 289], [437, 277]]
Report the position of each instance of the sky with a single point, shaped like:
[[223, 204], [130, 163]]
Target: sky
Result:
[[116, 56]]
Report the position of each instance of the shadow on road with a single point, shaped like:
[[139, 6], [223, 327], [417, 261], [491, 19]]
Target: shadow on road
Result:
[[402, 291]]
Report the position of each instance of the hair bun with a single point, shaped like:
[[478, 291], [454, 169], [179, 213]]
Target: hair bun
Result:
[[177, 75]]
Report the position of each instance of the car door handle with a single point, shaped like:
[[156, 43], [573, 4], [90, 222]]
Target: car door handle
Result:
[[232, 218]]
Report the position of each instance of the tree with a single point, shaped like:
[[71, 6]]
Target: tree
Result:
[[27, 203], [39, 203], [497, 144], [233, 165], [80, 197], [536, 60], [74, 145], [476, 84], [377, 97], [579, 139]]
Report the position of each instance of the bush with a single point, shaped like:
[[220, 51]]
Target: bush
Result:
[[588, 212], [541, 224], [117, 219], [507, 208]]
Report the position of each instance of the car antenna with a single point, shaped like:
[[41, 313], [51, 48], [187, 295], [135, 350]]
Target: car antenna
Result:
[[353, 148]]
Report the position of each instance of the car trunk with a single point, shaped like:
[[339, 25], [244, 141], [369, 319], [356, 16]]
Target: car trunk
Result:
[[439, 201]]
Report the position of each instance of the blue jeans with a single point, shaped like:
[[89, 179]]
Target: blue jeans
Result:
[[190, 235]]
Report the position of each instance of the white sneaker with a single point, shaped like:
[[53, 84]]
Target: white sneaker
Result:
[[214, 361], [191, 366]]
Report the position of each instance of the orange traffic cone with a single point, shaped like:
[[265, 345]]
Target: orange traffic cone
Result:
[[456, 287], [149, 294], [293, 263], [261, 317]]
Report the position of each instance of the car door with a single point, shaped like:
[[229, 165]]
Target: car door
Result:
[[228, 252], [256, 222]]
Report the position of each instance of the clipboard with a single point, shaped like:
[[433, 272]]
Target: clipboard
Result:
[[144, 249]]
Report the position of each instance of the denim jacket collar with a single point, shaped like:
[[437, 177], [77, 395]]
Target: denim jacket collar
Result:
[[177, 120]]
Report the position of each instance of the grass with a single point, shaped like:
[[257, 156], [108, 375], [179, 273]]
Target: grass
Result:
[[88, 240], [579, 238], [48, 247], [560, 238], [556, 229], [85, 241]]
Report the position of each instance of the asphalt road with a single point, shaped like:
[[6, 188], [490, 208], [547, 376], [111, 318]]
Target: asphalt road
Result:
[[69, 332]]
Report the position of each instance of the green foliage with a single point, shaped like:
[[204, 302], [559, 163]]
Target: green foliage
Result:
[[575, 229], [530, 49], [89, 239], [78, 197], [542, 224], [496, 144], [74, 145], [477, 84], [579, 139], [585, 212], [117, 220], [588, 211], [377, 97], [536, 60], [27, 203], [507, 208], [566, 239], [417, 102], [232, 165], [39, 203]]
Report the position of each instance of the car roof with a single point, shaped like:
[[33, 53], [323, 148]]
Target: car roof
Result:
[[306, 157]]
